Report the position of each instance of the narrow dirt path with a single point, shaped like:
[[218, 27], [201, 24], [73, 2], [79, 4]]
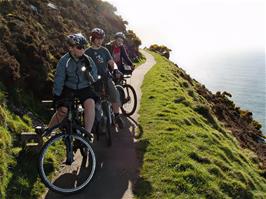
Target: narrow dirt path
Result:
[[117, 166]]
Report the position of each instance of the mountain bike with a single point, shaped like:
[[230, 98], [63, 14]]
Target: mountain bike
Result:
[[67, 161], [128, 95]]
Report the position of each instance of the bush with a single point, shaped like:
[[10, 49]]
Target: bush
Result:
[[162, 50], [185, 85]]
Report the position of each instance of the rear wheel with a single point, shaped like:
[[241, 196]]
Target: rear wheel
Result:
[[128, 98], [60, 174]]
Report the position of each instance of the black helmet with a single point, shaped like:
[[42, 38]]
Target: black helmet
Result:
[[97, 33], [120, 35], [77, 39]]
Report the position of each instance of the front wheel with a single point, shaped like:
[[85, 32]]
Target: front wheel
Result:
[[61, 175], [128, 98]]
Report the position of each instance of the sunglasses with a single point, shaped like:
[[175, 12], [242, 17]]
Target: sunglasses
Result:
[[79, 47]]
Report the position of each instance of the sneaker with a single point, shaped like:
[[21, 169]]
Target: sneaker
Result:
[[119, 121]]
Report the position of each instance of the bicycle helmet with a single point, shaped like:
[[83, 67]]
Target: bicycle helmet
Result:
[[120, 35], [77, 39], [97, 33]]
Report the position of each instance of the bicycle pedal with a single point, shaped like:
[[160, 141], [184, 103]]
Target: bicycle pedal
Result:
[[39, 130]]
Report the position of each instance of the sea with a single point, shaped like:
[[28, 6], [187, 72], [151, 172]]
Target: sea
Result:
[[240, 73]]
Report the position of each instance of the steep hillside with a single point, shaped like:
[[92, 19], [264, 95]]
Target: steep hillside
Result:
[[32, 35], [10, 151], [187, 145]]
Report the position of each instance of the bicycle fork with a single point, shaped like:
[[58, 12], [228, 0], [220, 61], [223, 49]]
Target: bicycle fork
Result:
[[69, 143], [69, 149]]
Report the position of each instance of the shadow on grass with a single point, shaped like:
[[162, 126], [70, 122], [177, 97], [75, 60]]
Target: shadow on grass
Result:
[[137, 129]]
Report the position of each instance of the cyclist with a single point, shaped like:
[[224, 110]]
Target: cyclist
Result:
[[102, 58], [75, 73], [119, 53]]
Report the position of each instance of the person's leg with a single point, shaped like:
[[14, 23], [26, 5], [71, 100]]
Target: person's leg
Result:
[[61, 110], [87, 98], [114, 96], [116, 103], [89, 113], [59, 115]]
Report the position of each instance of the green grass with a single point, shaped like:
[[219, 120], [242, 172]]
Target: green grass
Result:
[[185, 151], [10, 152], [18, 167]]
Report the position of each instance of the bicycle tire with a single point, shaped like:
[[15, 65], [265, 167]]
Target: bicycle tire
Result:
[[129, 95], [47, 178]]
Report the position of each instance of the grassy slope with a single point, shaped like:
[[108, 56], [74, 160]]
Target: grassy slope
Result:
[[18, 168], [184, 156]]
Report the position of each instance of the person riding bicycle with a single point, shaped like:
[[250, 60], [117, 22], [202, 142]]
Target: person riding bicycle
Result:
[[102, 58], [119, 53], [75, 74]]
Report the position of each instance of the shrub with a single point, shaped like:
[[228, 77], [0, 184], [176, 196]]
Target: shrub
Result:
[[185, 85], [162, 50]]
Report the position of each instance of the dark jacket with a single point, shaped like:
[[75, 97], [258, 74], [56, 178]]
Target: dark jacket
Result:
[[123, 54]]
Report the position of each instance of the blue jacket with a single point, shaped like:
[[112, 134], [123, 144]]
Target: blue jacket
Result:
[[69, 73]]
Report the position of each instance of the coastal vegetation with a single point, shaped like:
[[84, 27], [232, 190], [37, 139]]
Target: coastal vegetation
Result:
[[185, 150]]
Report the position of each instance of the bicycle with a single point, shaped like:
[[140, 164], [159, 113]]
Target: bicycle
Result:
[[127, 93], [67, 161], [103, 114]]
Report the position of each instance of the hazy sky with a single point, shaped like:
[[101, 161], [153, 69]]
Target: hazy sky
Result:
[[194, 28], [221, 43]]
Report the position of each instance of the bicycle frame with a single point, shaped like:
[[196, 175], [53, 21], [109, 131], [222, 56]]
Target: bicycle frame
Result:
[[71, 122]]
